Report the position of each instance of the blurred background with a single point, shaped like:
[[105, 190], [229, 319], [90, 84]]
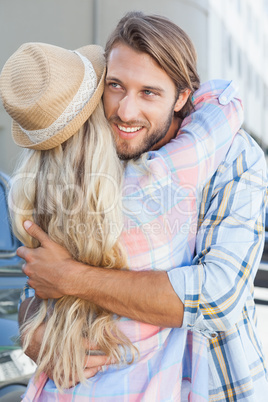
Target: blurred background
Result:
[[231, 37]]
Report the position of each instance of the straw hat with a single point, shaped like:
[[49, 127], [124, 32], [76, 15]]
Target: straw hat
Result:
[[50, 92]]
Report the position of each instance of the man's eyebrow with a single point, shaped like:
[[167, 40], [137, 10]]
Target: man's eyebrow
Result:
[[153, 89], [113, 79], [145, 87]]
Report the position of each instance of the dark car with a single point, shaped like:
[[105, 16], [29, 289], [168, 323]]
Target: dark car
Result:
[[15, 366]]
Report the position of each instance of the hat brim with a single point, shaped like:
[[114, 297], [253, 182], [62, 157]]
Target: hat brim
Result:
[[94, 53]]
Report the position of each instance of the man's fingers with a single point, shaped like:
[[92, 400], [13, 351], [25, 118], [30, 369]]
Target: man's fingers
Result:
[[96, 364], [90, 372], [96, 361], [35, 231], [89, 345], [22, 253]]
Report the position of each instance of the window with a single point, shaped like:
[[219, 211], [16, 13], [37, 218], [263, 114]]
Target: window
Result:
[[256, 29], [239, 62], [257, 85], [265, 47], [230, 50], [265, 6], [249, 18], [265, 97], [238, 6], [249, 76]]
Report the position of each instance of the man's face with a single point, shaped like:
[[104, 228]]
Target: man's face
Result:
[[139, 102]]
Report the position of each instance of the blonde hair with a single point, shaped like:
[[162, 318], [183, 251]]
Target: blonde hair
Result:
[[74, 193]]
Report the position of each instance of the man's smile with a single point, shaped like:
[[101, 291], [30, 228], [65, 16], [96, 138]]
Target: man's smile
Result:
[[128, 129], [127, 132]]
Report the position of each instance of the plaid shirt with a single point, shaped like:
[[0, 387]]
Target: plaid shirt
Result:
[[217, 289], [217, 351]]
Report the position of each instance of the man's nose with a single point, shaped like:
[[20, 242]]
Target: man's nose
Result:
[[128, 109]]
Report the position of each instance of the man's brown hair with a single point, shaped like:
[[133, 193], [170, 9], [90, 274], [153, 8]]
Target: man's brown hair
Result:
[[166, 43]]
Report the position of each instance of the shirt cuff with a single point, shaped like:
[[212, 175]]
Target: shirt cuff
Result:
[[26, 292], [192, 319]]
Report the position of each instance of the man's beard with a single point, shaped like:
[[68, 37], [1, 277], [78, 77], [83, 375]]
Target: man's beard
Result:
[[148, 142]]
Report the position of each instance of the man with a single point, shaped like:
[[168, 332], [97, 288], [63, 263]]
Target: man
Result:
[[214, 295]]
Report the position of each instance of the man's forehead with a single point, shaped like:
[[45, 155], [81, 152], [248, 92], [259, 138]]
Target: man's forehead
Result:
[[125, 63], [121, 51]]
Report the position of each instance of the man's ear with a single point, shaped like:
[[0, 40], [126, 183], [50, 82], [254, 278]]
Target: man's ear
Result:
[[182, 99]]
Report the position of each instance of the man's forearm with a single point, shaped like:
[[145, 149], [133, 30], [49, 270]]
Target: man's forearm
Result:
[[145, 296]]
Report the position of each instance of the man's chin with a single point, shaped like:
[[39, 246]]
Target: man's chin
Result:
[[129, 156], [125, 152]]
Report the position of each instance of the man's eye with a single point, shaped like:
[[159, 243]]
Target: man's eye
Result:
[[114, 85], [148, 92]]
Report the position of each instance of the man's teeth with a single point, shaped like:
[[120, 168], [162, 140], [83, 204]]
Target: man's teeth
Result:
[[129, 129]]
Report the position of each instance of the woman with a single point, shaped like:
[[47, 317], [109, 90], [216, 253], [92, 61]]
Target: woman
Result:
[[48, 186], [70, 184]]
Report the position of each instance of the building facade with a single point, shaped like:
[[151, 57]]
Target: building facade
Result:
[[231, 37], [238, 50]]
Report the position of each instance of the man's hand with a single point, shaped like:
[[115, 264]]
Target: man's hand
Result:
[[92, 363], [47, 281]]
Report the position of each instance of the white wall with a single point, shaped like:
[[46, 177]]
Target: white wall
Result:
[[66, 23]]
